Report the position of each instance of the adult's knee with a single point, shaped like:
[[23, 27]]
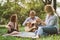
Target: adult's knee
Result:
[[40, 31], [40, 28]]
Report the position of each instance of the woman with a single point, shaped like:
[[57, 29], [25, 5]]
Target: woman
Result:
[[50, 26]]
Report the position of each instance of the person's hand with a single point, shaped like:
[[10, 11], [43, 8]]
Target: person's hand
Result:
[[43, 23], [15, 28], [34, 27]]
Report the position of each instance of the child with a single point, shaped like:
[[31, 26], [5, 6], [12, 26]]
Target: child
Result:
[[38, 21], [12, 25], [30, 27]]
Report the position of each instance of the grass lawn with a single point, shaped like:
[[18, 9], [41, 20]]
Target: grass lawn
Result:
[[4, 30]]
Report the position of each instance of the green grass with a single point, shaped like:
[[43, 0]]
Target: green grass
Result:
[[4, 30]]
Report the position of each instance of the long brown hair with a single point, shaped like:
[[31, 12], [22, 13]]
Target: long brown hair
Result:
[[13, 18]]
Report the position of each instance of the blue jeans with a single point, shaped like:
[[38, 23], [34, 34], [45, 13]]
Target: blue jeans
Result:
[[46, 30]]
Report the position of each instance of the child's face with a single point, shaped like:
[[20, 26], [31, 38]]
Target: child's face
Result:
[[28, 24], [32, 15], [38, 20], [13, 18]]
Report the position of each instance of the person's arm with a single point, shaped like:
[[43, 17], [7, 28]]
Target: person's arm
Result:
[[16, 26], [8, 26], [43, 23], [24, 23], [27, 29], [53, 21]]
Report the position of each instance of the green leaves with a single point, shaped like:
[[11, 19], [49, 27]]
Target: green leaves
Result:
[[21, 9]]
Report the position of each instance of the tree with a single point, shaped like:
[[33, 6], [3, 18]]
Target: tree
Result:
[[21, 8]]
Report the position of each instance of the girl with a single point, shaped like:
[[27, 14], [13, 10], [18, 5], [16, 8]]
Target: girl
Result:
[[30, 27], [38, 22], [12, 25]]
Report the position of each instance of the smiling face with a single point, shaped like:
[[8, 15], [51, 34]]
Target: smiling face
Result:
[[49, 9], [38, 20], [28, 23], [13, 19], [32, 14]]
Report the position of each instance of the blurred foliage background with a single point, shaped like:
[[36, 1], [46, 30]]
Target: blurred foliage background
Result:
[[21, 8]]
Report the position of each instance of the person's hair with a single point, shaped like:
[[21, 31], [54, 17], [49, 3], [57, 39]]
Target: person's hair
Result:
[[28, 23], [49, 9], [32, 12], [48, 2], [13, 18]]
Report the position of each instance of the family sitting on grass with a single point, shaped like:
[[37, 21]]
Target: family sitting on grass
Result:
[[35, 24]]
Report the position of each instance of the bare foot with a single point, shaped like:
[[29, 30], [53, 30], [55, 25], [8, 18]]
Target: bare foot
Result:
[[37, 36]]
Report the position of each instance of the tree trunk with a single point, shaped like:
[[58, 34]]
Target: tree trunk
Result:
[[54, 4]]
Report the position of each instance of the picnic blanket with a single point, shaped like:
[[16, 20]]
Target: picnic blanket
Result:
[[22, 34]]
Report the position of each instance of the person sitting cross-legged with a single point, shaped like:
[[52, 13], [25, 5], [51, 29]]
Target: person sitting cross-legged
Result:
[[30, 27], [50, 26], [12, 25], [32, 17]]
